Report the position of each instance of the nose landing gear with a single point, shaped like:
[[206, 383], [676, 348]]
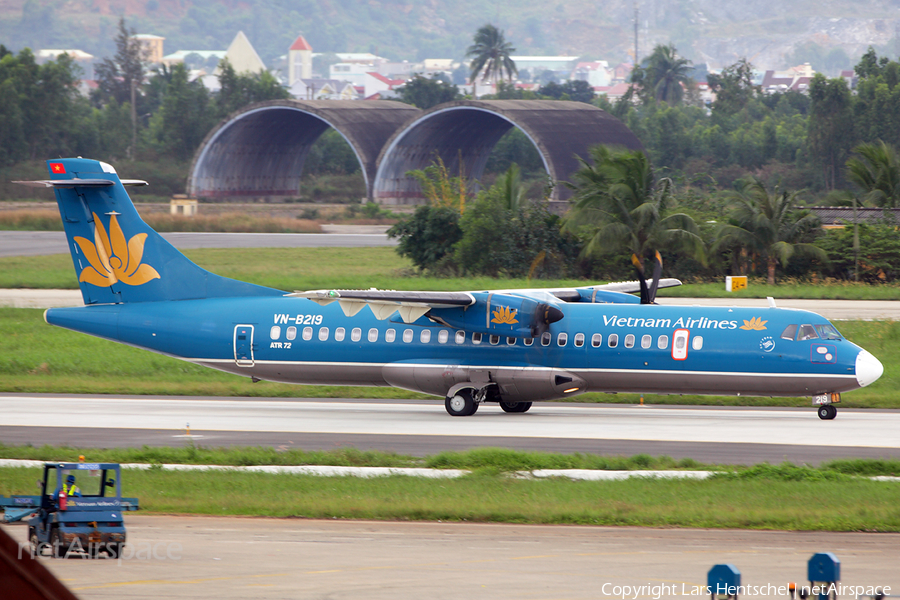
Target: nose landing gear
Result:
[[827, 412]]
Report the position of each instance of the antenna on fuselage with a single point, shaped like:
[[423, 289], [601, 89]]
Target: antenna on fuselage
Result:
[[771, 302]]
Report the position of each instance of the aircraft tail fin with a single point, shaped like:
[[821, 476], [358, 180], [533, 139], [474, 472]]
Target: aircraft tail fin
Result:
[[117, 256]]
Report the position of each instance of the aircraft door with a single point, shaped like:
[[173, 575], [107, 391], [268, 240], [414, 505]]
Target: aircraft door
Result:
[[680, 344], [243, 345]]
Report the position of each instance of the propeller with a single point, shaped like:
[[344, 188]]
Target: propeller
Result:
[[648, 294], [543, 316]]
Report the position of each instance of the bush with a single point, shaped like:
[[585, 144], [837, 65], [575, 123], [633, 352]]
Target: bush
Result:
[[427, 236]]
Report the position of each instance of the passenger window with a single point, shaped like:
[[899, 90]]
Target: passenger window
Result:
[[629, 341], [425, 336], [596, 340], [510, 341], [373, 335], [292, 333], [579, 340], [390, 335], [663, 342], [828, 332], [460, 337], [613, 340], [275, 332], [307, 333], [407, 335], [355, 334], [495, 339], [476, 338], [529, 341], [545, 338], [697, 344], [807, 332], [323, 334], [646, 341], [789, 333], [443, 336], [562, 338], [339, 334], [679, 344]]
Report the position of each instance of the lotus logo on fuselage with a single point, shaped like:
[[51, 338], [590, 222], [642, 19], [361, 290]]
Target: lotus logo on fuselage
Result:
[[505, 316], [113, 259], [754, 324]]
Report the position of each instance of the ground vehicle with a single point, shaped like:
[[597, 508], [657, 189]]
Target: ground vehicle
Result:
[[90, 522]]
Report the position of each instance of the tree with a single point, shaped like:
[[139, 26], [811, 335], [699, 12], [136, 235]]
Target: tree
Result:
[[240, 89], [830, 125], [185, 117], [425, 93], [490, 55], [767, 226], [440, 188], [122, 76], [428, 235], [617, 204], [876, 170], [578, 91], [733, 87], [665, 77]]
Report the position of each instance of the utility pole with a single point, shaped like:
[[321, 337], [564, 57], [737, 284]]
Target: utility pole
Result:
[[636, 59]]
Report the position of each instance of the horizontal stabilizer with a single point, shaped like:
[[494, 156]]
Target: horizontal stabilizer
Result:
[[73, 183]]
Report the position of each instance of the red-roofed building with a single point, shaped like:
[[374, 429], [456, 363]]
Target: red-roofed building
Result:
[[613, 92], [376, 83], [299, 60]]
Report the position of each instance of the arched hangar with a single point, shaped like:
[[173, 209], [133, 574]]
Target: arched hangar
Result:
[[467, 130], [259, 151]]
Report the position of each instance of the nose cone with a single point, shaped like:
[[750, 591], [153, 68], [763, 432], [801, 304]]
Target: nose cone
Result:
[[868, 368]]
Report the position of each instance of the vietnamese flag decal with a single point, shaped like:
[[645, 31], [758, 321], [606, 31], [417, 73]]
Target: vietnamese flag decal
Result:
[[57, 168]]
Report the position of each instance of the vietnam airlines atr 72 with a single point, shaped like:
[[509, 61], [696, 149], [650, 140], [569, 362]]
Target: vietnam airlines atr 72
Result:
[[510, 347]]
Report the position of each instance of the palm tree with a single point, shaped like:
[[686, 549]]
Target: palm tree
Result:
[[490, 55], [666, 75], [509, 188], [768, 226], [877, 173], [617, 201]]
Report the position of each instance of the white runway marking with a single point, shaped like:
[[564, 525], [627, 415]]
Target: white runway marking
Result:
[[546, 420]]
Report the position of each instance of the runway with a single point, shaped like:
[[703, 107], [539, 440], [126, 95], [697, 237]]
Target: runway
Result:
[[35, 243], [224, 558], [708, 434]]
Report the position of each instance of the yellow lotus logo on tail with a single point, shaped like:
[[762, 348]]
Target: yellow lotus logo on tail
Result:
[[754, 324], [504, 316], [113, 259]]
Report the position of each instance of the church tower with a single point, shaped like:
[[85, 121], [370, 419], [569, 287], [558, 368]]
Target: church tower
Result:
[[299, 61]]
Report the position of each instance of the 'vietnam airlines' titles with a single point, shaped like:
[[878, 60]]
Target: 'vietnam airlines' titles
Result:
[[679, 323]]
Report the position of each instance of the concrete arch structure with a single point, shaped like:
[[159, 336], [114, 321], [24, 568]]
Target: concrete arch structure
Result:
[[259, 151], [463, 133]]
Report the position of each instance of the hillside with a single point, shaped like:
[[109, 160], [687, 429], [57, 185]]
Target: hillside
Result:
[[713, 31]]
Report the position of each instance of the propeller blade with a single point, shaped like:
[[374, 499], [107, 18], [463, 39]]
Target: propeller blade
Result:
[[657, 272], [543, 317], [639, 267]]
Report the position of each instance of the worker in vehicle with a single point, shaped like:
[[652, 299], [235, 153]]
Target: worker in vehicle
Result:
[[70, 487]]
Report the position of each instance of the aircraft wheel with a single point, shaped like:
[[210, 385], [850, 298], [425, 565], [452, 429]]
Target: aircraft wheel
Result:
[[461, 404], [114, 550], [515, 407], [827, 412]]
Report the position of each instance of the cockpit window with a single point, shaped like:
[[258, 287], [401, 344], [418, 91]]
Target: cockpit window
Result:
[[807, 332], [828, 332], [789, 332]]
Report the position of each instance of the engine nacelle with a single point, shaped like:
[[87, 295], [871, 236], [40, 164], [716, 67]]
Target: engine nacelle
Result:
[[500, 314]]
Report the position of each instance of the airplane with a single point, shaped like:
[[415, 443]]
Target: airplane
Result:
[[510, 347]]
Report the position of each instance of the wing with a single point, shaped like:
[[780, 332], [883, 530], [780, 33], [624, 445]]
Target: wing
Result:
[[384, 303]]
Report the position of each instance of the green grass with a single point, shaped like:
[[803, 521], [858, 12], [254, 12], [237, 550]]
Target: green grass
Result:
[[355, 268], [769, 498], [39, 358]]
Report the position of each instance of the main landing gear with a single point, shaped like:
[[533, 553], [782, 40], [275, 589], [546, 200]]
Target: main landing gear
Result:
[[827, 412], [464, 402]]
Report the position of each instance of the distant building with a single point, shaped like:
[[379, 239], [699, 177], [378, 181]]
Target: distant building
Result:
[[596, 73], [354, 66], [795, 79], [178, 57], [299, 61], [152, 46], [323, 89], [376, 83], [81, 58], [242, 56]]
